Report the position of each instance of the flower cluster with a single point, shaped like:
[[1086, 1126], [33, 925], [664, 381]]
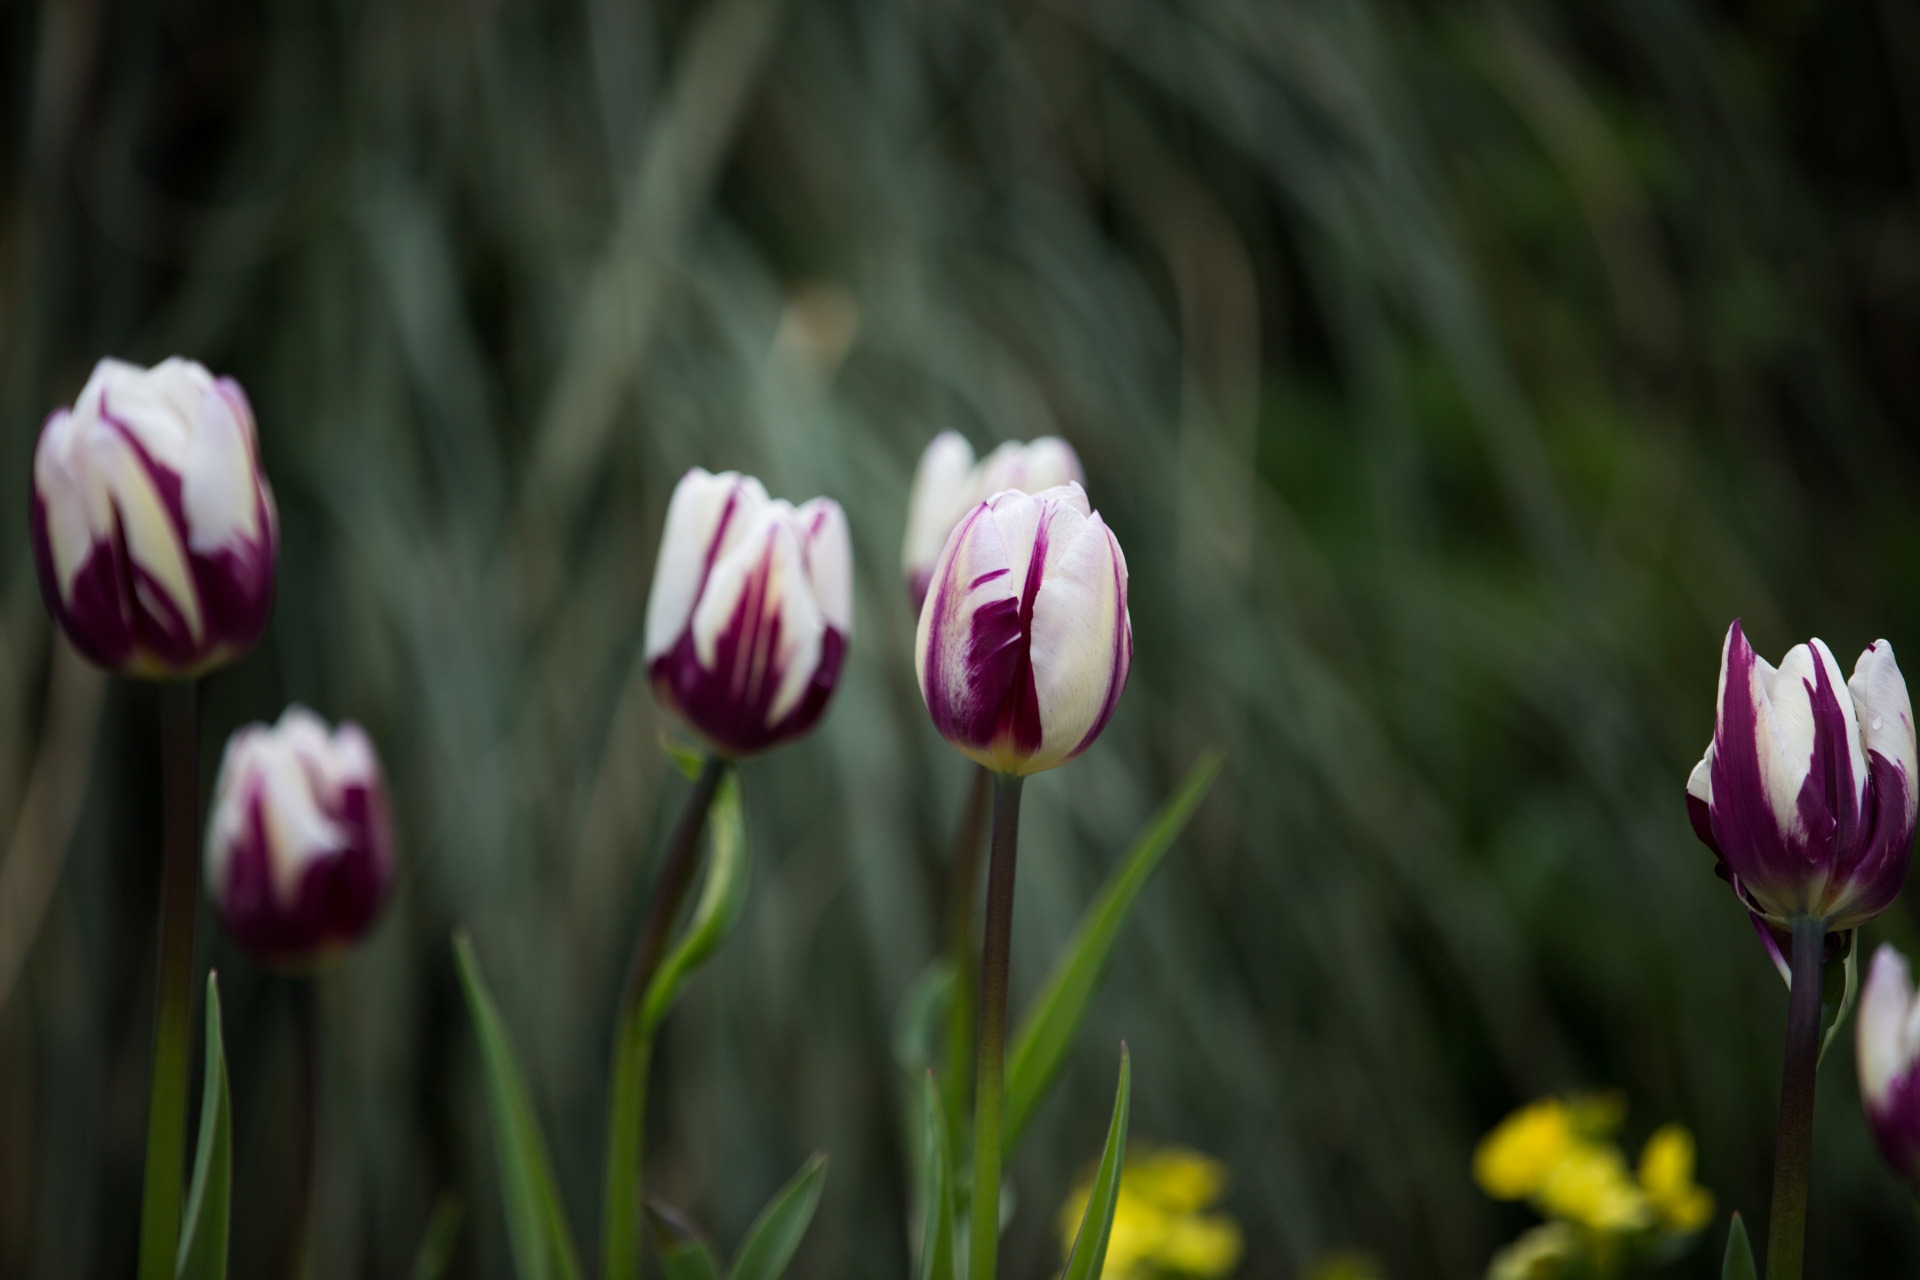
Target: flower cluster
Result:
[[1164, 1224], [1559, 1155]]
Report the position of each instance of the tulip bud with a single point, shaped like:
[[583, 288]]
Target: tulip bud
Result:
[[948, 484], [1887, 1052], [1024, 640], [153, 529], [1807, 791], [300, 848], [750, 613]]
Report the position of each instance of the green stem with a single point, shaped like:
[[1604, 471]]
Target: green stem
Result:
[[179, 897], [633, 1042], [967, 843], [1793, 1142], [989, 1099]]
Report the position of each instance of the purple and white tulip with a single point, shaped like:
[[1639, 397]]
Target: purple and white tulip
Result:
[[1807, 792], [750, 612], [948, 483], [153, 528], [1887, 1052], [300, 852], [1024, 641]]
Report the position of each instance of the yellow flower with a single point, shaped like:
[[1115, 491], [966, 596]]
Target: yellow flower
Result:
[[1666, 1179], [1347, 1265], [1592, 1187], [1543, 1253], [1513, 1161], [1159, 1224]]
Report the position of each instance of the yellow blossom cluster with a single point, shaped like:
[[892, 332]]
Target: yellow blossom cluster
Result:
[[1164, 1224], [1559, 1154]]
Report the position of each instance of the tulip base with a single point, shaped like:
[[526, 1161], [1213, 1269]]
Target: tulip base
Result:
[[179, 899], [989, 1099], [1793, 1142]]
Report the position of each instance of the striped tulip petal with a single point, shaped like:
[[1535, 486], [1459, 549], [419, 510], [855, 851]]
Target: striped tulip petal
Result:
[[949, 482], [750, 613], [1024, 642], [300, 851], [153, 529], [1887, 1054]]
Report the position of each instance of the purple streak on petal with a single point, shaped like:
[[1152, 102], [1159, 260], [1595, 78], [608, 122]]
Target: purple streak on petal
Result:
[[991, 575], [1878, 866], [963, 712], [339, 894], [1122, 647], [1828, 801], [1748, 835], [1018, 719], [94, 616], [730, 704], [1896, 1123]]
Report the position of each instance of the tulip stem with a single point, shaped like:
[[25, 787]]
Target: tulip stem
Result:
[[1793, 1142], [179, 897], [633, 1043], [966, 977], [306, 1037], [989, 1099]]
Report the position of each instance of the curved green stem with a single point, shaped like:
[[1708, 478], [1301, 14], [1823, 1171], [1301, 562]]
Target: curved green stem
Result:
[[958, 1077], [633, 1045], [1793, 1142], [179, 897], [989, 1099]]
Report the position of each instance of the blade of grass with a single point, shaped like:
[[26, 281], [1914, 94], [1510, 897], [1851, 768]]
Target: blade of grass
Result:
[[203, 1238], [771, 1240], [936, 1185], [437, 1243], [1096, 1223]]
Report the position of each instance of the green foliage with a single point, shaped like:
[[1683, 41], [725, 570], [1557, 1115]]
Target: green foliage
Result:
[[683, 1254], [1738, 1264], [1046, 1029], [770, 1242], [536, 1223], [1096, 1222], [439, 1240], [203, 1237], [936, 1186], [715, 913]]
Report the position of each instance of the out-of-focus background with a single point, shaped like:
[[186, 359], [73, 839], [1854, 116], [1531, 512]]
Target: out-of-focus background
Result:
[[1452, 375]]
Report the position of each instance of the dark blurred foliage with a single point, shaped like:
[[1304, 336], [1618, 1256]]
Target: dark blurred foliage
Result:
[[1452, 375]]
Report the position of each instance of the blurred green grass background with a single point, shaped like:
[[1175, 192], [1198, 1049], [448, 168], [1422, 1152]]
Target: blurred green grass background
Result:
[[1452, 375]]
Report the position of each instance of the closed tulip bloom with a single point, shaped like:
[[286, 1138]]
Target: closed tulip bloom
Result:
[[948, 483], [300, 852], [153, 528], [1024, 640], [1887, 1053], [1807, 792], [750, 613]]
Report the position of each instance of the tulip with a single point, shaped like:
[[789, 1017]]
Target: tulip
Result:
[[1807, 793], [300, 852], [750, 613], [153, 528], [948, 483], [1887, 1052], [1024, 640]]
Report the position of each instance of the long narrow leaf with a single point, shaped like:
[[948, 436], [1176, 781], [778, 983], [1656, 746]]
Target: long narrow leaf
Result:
[[437, 1242], [936, 1185], [777, 1232], [1738, 1264], [721, 898], [536, 1226], [921, 1012], [683, 1254], [1096, 1223], [203, 1237], [1046, 1031]]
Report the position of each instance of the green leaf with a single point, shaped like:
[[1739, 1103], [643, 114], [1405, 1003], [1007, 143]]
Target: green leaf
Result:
[[686, 757], [1096, 1223], [921, 1012], [203, 1238], [536, 1224], [683, 1254], [1839, 985], [1046, 1030], [437, 1243], [1739, 1260], [776, 1233], [721, 899], [936, 1187]]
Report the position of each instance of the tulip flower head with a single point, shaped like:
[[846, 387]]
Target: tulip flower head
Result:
[[948, 483], [300, 852], [153, 528], [1807, 792], [1887, 1052], [750, 612], [1024, 641]]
